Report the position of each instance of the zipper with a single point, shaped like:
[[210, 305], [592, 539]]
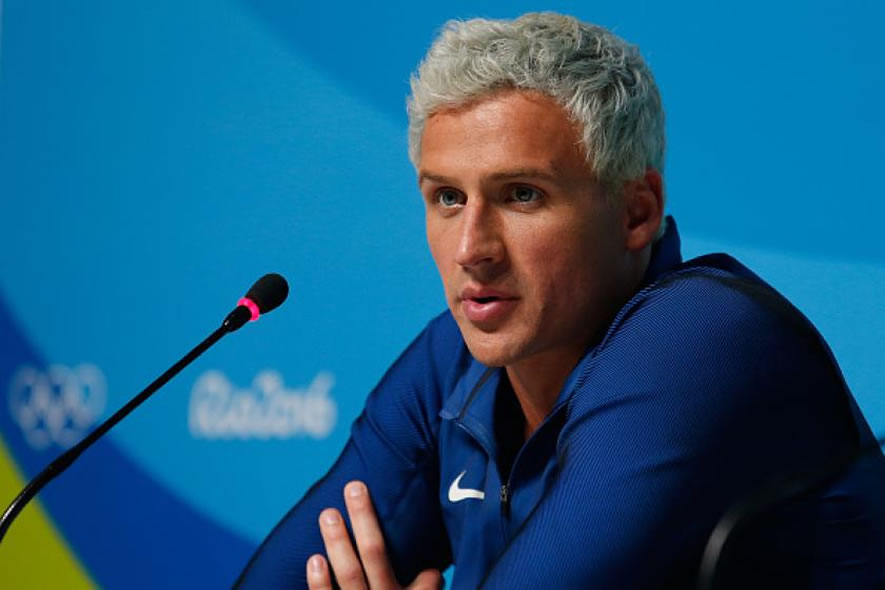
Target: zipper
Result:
[[506, 492], [505, 500]]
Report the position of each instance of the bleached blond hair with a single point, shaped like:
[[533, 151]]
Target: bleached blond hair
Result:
[[600, 80]]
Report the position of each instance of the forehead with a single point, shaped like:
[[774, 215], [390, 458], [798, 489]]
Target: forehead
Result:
[[508, 129]]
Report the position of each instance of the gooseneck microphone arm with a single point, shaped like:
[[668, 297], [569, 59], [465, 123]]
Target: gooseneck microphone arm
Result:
[[65, 459], [267, 293]]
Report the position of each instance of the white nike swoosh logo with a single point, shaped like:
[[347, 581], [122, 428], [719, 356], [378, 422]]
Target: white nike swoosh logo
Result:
[[457, 493]]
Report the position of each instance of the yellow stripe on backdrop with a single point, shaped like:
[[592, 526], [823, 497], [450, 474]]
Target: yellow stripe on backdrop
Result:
[[33, 554]]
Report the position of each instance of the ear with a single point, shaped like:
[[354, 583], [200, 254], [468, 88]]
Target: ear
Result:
[[643, 209]]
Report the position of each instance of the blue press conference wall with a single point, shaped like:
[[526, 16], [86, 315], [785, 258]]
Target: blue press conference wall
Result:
[[157, 157]]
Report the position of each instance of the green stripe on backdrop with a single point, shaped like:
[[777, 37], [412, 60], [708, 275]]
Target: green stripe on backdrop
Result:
[[33, 554]]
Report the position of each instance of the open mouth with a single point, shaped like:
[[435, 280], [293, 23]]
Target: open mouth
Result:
[[489, 309], [485, 299], [486, 305]]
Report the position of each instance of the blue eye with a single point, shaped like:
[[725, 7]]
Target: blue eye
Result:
[[525, 194], [448, 197]]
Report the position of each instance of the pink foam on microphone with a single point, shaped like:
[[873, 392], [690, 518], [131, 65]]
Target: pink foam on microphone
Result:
[[252, 307]]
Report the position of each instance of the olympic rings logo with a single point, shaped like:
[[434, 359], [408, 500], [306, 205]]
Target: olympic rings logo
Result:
[[58, 405]]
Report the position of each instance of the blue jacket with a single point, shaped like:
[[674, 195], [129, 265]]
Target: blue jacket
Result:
[[706, 385]]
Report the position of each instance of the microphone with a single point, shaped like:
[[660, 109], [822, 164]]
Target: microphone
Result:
[[266, 294]]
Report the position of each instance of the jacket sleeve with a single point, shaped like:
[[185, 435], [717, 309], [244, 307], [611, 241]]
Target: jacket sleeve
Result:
[[698, 396], [392, 448]]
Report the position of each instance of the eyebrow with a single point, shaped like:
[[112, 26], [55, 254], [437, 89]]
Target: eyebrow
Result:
[[424, 176], [524, 173], [537, 173]]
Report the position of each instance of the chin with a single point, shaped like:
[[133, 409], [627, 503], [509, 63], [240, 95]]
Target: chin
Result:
[[492, 350], [490, 359]]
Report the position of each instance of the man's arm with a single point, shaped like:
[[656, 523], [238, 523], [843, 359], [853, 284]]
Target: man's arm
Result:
[[393, 450]]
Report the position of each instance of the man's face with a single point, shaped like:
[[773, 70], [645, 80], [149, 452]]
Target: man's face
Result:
[[531, 253]]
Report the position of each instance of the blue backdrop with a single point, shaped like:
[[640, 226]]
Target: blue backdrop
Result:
[[157, 157]]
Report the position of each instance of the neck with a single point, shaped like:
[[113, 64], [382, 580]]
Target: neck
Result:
[[537, 381]]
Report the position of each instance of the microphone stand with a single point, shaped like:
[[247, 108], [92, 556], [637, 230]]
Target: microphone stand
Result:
[[769, 496], [232, 322]]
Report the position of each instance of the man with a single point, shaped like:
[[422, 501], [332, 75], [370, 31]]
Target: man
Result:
[[590, 405]]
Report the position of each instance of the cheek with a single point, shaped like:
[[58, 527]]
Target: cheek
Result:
[[439, 251], [432, 233], [563, 271], [550, 275]]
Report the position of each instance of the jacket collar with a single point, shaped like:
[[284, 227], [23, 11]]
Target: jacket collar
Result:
[[665, 254]]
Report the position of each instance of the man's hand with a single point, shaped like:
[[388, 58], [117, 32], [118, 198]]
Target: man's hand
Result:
[[371, 569]]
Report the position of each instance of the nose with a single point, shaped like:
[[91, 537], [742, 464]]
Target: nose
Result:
[[479, 241]]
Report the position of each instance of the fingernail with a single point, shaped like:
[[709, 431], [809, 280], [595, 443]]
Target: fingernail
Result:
[[355, 489], [331, 517], [315, 564]]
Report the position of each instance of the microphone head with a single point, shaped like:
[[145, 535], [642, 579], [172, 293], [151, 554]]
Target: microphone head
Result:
[[268, 292]]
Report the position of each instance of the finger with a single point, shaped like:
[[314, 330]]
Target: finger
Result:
[[345, 564], [318, 576], [428, 580], [369, 540]]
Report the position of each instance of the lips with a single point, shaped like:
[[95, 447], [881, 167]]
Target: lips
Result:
[[484, 306]]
